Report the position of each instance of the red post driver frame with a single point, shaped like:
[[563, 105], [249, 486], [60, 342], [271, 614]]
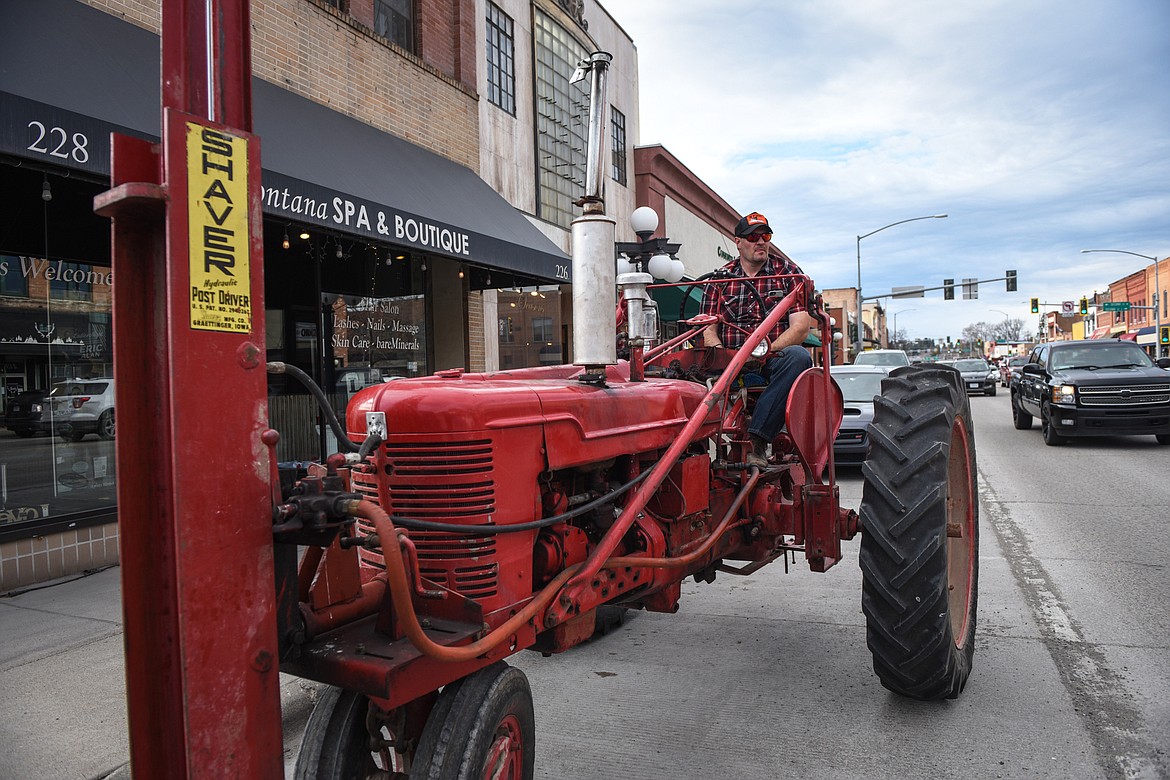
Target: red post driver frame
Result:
[[200, 631]]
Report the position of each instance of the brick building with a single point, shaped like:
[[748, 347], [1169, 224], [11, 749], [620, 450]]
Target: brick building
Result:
[[387, 212]]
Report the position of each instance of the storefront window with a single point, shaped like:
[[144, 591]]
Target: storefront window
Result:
[[56, 354], [371, 340], [530, 328]]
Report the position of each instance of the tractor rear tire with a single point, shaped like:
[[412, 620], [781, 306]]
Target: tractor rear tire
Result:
[[486, 729], [920, 544]]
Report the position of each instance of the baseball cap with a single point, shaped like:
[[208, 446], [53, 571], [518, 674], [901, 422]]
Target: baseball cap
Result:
[[751, 223]]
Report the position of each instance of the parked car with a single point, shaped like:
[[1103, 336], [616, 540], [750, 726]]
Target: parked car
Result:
[[1010, 368], [27, 413], [83, 406], [859, 384], [1105, 387], [882, 357], [978, 375]]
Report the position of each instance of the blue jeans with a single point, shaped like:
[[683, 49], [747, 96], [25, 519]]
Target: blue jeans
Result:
[[780, 372]]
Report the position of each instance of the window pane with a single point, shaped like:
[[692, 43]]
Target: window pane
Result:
[[562, 112], [394, 21], [618, 145], [56, 351], [500, 59]]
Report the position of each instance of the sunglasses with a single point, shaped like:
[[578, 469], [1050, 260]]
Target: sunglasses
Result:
[[755, 238]]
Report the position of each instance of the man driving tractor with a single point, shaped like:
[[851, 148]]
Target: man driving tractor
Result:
[[744, 305]]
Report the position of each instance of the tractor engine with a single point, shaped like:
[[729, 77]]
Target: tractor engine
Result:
[[538, 447]]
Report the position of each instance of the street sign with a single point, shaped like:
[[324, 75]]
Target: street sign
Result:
[[1067, 307], [908, 292], [1116, 305]]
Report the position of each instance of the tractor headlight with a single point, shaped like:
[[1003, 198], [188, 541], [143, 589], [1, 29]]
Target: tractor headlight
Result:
[[760, 350], [1064, 394]]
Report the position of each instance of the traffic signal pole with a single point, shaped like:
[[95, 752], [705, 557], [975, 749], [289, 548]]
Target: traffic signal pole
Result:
[[194, 508]]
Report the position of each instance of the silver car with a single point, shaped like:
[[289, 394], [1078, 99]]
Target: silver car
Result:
[[978, 375], [83, 406], [859, 384]]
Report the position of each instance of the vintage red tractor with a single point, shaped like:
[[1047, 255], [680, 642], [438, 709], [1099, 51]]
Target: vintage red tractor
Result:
[[480, 514], [497, 512], [470, 516]]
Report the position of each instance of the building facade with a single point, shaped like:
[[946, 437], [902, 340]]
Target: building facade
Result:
[[387, 215]]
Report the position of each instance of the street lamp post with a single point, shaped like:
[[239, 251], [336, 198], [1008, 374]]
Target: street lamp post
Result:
[[1157, 292], [860, 339], [896, 320]]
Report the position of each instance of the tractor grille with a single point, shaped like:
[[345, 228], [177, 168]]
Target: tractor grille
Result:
[[441, 481], [1125, 395]]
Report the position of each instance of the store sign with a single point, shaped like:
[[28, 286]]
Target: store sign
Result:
[[305, 202], [54, 136], [383, 334], [217, 215]]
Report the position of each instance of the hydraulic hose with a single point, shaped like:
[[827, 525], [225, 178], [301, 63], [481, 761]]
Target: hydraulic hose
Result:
[[343, 441], [400, 589]]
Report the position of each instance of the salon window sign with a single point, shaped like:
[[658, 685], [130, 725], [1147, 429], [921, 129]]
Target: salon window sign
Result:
[[385, 333], [305, 202], [54, 136]]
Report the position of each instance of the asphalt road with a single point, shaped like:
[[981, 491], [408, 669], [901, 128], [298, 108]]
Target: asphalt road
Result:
[[768, 676]]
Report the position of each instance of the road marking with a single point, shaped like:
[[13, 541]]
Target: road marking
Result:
[[1099, 695]]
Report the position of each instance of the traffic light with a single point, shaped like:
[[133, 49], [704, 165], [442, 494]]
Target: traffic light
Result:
[[1164, 334], [948, 289], [1035, 305], [1084, 305], [1011, 281]]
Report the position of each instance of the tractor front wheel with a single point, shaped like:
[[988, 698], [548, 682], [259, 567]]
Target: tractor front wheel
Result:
[[485, 728], [920, 522], [347, 738]]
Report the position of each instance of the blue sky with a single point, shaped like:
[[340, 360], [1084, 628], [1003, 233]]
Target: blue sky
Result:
[[1041, 127]]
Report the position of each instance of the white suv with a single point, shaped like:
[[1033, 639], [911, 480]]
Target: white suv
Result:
[[882, 357], [82, 406]]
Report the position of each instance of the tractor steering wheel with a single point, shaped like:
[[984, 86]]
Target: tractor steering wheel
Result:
[[725, 314]]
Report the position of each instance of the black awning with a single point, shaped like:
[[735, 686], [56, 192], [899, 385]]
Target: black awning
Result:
[[320, 167], [356, 179]]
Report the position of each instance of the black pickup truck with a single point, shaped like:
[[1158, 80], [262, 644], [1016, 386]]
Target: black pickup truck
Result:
[[1092, 388]]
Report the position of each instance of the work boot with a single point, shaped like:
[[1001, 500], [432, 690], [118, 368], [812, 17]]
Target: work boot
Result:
[[758, 456]]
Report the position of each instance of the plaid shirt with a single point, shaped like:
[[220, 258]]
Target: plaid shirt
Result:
[[735, 301]]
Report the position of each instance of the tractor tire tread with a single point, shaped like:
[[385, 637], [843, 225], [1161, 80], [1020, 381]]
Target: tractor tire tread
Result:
[[903, 554]]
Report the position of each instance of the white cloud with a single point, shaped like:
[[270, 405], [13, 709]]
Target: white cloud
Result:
[[1040, 126]]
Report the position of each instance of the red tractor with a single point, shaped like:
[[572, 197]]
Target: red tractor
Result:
[[470, 516], [482, 514], [498, 512]]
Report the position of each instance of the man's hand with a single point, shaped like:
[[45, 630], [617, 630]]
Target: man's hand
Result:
[[799, 323], [711, 336]]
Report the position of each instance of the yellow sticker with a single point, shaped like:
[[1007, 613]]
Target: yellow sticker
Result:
[[217, 211]]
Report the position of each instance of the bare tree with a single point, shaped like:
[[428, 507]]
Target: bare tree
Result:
[[1009, 329]]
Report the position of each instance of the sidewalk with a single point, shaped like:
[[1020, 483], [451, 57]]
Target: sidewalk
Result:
[[62, 683]]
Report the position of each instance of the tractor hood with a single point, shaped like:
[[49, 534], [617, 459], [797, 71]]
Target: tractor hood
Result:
[[580, 423]]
